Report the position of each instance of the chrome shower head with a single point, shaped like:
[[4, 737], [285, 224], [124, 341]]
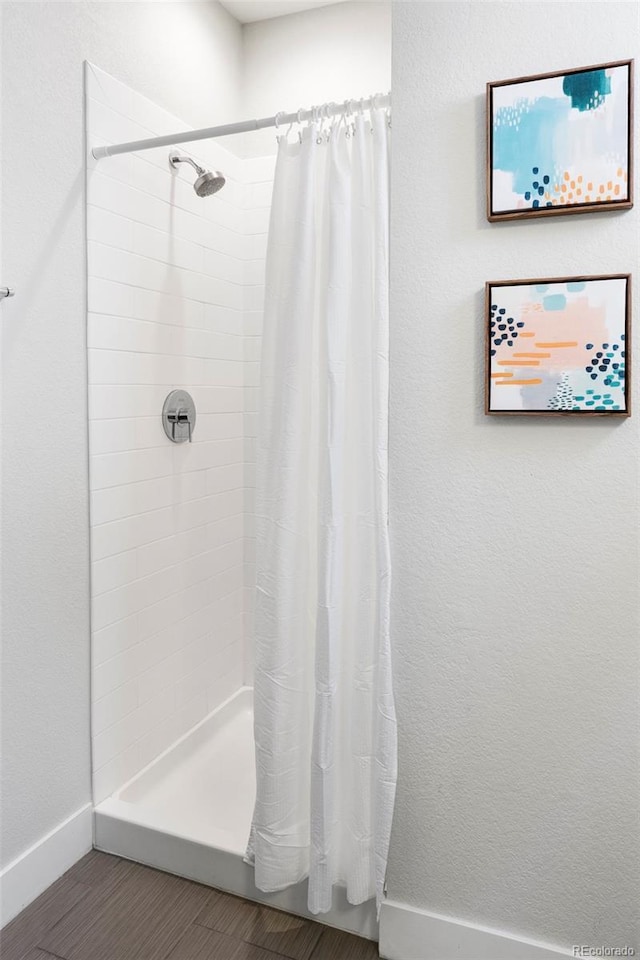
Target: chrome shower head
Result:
[[208, 181]]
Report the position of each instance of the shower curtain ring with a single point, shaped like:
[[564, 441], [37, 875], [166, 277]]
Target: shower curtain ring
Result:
[[320, 119], [276, 121], [331, 117]]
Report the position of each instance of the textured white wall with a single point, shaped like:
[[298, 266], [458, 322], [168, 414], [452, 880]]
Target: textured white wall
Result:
[[310, 58], [515, 542], [45, 693]]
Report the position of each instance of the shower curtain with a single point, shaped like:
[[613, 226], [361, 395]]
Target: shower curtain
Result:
[[325, 727]]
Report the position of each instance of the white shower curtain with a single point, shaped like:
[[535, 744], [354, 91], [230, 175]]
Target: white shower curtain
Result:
[[325, 726]]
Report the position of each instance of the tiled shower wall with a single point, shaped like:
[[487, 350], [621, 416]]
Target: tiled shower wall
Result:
[[175, 297]]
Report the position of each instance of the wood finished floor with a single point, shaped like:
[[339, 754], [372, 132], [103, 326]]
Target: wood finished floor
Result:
[[106, 908]]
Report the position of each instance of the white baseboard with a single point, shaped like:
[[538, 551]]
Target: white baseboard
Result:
[[407, 933], [38, 867]]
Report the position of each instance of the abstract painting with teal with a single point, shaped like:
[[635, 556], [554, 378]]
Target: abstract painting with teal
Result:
[[558, 346], [560, 141]]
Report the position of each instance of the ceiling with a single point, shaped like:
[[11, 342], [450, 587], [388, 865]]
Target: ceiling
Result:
[[248, 11]]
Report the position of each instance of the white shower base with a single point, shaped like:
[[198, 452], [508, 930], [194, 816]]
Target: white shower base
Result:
[[189, 813]]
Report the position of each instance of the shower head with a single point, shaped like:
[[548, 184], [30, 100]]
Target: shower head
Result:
[[207, 183]]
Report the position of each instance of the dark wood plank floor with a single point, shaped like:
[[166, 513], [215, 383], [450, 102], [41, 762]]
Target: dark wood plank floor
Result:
[[106, 908]]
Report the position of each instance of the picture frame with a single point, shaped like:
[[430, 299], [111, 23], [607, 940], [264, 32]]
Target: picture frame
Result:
[[560, 143], [563, 342]]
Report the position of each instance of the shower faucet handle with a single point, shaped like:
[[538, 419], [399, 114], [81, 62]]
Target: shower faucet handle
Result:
[[179, 419], [179, 416]]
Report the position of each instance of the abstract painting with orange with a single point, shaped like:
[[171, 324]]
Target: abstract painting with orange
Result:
[[561, 141], [558, 346]]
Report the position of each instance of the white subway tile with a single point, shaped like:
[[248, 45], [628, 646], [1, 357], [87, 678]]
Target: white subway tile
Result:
[[107, 608], [107, 296], [253, 320], [224, 531], [250, 575], [162, 615], [159, 646], [150, 432], [191, 542], [209, 509], [249, 525], [188, 486], [114, 639], [206, 565], [219, 426], [124, 367], [222, 319], [106, 89], [112, 775], [252, 348], [217, 399], [114, 706], [256, 220], [175, 299], [157, 677], [256, 246], [229, 477], [249, 500], [217, 264], [157, 586], [252, 374], [249, 550], [253, 298], [112, 124], [250, 424], [251, 396], [109, 228], [116, 536], [113, 469], [154, 711], [228, 373], [156, 556], [111, 436], [221, 688], [166, 247], [109, 401], [250, 448], [207, 453], [137, 336], [209, 345], [116, 503], [121, 198], [116, 671], [113, 572], [167, 308]]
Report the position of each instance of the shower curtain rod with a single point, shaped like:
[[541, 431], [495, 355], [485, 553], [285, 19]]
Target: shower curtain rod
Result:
[[245, 126]]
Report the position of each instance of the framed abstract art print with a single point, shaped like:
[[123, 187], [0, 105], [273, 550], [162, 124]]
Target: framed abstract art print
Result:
[[559, 346], [560, 143]]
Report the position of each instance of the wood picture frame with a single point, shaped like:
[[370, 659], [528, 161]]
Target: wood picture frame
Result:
[[560, 143], [564, 342]]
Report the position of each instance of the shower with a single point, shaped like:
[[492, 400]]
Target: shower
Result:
[[175, 607], [208, 181]]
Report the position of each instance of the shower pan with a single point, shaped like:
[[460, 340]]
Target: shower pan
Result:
[[175, 287]]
